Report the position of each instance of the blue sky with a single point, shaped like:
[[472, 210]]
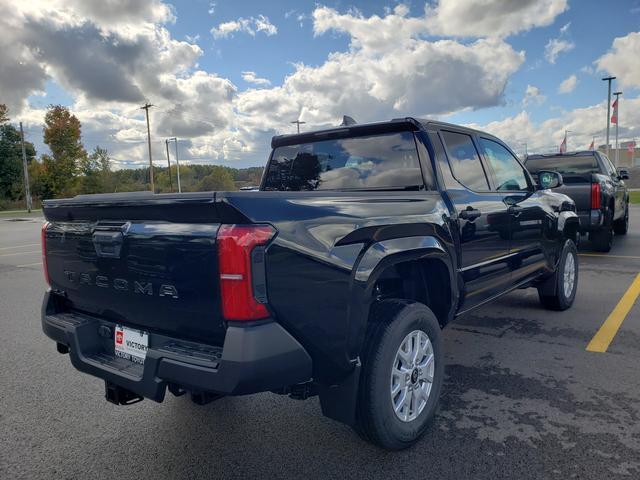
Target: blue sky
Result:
[[490, 68]]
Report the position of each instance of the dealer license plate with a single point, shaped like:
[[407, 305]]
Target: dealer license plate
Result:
[[131, 344]]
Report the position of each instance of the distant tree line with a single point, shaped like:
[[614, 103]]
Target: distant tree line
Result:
[[70, 170]]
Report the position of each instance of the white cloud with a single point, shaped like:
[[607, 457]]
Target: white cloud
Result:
[[251, 77], [583, 123], [392, 67], [533, 96], [473, 18], [622, 60], [555, 47], [251, 25], [568, 84]]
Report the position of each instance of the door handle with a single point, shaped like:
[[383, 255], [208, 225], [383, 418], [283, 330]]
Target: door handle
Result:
[[470, 213]]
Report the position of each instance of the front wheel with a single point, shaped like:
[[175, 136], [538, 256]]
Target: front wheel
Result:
[[403, 370], [559, 291]]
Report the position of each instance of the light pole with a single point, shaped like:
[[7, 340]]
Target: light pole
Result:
[[177, 164], [27, 192], [146, 108], [166, 144], [617, 113], [608, 79], [298, 123]]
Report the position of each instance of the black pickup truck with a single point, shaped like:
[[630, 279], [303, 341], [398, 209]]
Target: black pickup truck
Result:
[[597, 188], [335, 279]]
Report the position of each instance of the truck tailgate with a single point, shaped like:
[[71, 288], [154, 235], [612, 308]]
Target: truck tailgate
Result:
[[142, 260]]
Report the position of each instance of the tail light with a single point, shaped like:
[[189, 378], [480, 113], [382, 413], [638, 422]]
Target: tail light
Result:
[[241, 264], [595, 196], [43, 241]]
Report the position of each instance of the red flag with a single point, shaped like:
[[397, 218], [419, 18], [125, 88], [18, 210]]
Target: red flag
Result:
[[631, 146], [592, 146], [563, 145], [614, 117]]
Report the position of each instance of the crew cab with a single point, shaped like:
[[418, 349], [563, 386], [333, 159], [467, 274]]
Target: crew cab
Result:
[[596, 187], [335, 279]]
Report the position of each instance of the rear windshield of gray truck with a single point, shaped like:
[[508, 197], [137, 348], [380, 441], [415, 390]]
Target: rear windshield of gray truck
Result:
[[358, 163], [564, 164]]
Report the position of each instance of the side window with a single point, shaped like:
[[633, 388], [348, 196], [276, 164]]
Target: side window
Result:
[[611, 170], [464, 161], [509, 174]]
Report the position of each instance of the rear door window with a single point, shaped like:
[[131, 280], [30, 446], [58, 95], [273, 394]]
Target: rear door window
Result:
[[509, 174], [356, 163], [464, 160]]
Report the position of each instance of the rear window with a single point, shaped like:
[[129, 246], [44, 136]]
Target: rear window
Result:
[[377, 162], [564, 164]]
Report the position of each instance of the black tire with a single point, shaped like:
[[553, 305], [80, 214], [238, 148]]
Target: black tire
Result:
[[552, 293], [376, 421], [602, 240], [621, 227]]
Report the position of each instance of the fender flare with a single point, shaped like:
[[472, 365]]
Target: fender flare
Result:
[[374, 261], [339, 401], [567, 219]]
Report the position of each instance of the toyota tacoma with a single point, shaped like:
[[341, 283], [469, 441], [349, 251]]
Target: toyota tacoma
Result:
[[335, 279]]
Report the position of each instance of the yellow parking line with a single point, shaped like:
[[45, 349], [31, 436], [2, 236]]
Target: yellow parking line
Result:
[[18, 253], [606, 255], [29, 265], [604, 336], [19, 246]]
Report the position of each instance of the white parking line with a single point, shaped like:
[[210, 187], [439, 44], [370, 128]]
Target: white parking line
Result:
[[29, 265], [19, 246], [18, 253]]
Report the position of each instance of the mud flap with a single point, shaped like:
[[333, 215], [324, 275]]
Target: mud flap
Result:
[[338, 402]]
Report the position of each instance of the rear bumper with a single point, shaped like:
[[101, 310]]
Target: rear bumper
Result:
[[590, 220], [253, 358]]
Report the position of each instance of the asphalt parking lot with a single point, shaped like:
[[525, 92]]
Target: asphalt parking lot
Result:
[[523, 398]]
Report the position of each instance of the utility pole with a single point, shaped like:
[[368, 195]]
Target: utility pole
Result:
[[617, 112], [608, 79], [177, 164], [166, 143], [146, 108], [298, 123], [27, 190]]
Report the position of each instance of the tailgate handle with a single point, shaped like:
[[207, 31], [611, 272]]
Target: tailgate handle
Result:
[[108, 243]]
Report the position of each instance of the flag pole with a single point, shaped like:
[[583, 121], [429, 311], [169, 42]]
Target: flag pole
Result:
[[616, 112]]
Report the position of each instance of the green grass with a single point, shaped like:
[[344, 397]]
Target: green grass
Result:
[[20, 213], [634, 197]]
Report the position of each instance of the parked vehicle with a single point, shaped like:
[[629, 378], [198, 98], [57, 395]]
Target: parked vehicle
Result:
[[335, 279], [597, 188]]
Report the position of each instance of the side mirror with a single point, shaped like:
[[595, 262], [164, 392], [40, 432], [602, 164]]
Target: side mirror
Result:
[[548, 179], [623, 174]]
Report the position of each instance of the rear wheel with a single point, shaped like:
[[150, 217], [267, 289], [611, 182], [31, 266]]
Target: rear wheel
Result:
[[403, 370], [559, 291], [621, 227], [602, 240]]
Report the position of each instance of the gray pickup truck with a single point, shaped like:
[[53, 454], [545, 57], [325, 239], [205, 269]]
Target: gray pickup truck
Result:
[[596, 187]]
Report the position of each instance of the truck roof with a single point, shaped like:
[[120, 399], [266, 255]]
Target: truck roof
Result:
[[389, 126]]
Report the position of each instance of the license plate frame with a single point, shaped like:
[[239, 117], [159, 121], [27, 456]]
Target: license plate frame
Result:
[[130, 344]]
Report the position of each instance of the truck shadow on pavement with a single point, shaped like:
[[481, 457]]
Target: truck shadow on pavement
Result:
[[493, 423]]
